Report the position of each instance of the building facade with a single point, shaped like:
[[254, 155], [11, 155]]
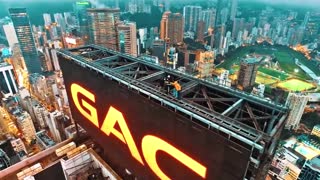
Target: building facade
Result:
[[8, 83], [103, 27], [247, 73], [297, 103], [26, 126], [128, 38], [208, 16], [172, 27], [205, 64], [191, 16], [10, 34]]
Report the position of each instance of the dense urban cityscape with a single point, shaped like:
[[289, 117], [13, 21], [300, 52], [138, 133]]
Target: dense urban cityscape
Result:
[[159, 89]]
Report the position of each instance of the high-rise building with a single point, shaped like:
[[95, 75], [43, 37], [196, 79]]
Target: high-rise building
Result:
[[26, 126], [311, 169], [200, 30], [7, 79], [220, 38], [233, 11], [138, 6], [172, 57], [10, 34], [18, 145], [191, 16], [306, 19], [143, 34], [300, 34], [3, 21], [47, 19], [23, 29], [80, 11], [41, 115], [50, 26], [164, 24], [208, 16], [102, 27], [128, 38], [54, 123], [19, 66], [159, 49], [224, 79], [61, 23], [297, 103], [205, 64], [220, 11], [235, 28], [172, 27], [247, 73], [70, 19], [291, 36]]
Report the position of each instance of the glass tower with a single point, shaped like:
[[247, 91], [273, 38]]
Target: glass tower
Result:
[[23, 29], [80, 11]]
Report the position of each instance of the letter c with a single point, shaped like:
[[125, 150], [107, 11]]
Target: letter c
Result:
[[152, 144]]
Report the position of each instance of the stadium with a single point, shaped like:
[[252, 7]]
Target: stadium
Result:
[[280, 67]]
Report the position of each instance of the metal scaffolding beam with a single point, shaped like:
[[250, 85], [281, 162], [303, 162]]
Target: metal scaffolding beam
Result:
[[153, 76], [253, 118], [107, 59], [232, 108], [213, 99], [204, 92], [127, 66], [188, 87], [257, 118]]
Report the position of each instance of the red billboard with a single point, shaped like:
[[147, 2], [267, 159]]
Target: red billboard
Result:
[[144, 138]]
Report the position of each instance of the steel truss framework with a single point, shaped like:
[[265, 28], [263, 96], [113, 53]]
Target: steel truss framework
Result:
[[248, 120]]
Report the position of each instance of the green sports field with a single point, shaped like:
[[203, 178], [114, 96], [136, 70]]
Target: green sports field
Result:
[[265, 79], [290, 77], [284, 55], [295, 85]]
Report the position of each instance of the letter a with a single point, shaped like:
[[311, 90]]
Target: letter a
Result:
[[113, 116]]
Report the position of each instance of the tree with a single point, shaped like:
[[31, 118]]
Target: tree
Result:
[[310, 119]]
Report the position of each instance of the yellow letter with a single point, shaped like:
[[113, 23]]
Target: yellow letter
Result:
[[113, 116], [93, 116], [152, 144]]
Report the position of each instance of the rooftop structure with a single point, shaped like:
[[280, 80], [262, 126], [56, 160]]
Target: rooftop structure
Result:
[[87, 165], [316, 130], [44, 140], [311, 169], [241, 118]]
